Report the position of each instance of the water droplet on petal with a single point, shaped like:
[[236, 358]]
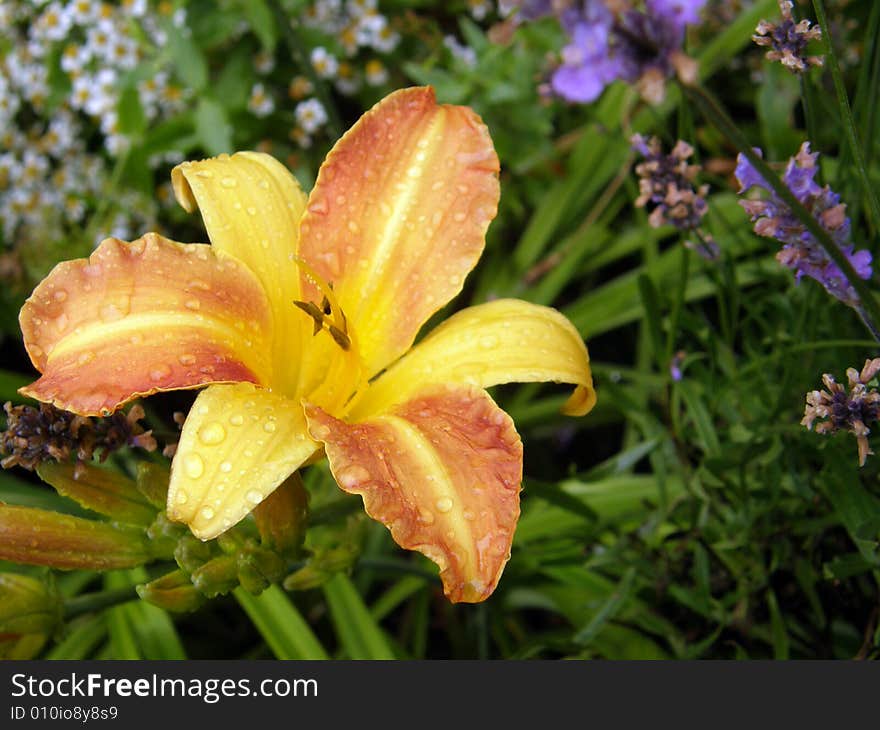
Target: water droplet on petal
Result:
[[159, 372], [269, 427], [253, 496], [426, 516], [226, 467], [489, 341], [182, 497], [192, 304], [236, 419], [212, 433], [444, 504], [187, 359], [352, 476], [85, 358], [207, 513], [228, 182], [251, 210], [60, 295], [193, 466]]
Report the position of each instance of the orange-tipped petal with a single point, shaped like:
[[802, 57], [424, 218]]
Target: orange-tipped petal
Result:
[[141, 317], [504, 341], [398, 216], [442, 472], [238, 444], [251, 206]]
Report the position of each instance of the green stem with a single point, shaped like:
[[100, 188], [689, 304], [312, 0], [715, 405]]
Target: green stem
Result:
[[91, 602], [712, 110], [846, 115], [295, 47]]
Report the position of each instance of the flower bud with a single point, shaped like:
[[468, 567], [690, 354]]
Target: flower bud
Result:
[[100, 490], [38, 537], [282, 517], [173, 592], [30, 611]]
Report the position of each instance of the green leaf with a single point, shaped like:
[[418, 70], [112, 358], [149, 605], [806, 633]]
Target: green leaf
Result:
[[189, 61], [81, 639], [213, 127], [609, 609], [132, 120], [358, 632], [280, 623], [260, 18]]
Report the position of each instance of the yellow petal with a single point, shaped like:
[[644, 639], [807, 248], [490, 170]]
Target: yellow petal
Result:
[[238, 444], [141, 317], [251, 206], [504, 341], [442, 471], [398, 216]]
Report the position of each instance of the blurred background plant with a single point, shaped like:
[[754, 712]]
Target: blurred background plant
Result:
[[690, 515]]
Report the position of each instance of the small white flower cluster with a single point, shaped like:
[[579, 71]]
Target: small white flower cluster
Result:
[[48, 177], [360, 31]]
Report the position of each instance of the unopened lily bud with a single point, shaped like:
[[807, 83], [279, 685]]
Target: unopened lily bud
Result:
[[191, 553], [100, 490], [258, 568], [38, 537], [152, 483], [28, 605], [282, 517], [30, 612], [323, 566], [173, 592], [217, 576]]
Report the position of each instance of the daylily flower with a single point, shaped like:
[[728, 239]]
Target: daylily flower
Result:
[[300, 319]]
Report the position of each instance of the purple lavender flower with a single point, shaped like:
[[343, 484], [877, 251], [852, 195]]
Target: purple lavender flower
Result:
[[801, 252], [604, 45], [588, 65], [788, 40]]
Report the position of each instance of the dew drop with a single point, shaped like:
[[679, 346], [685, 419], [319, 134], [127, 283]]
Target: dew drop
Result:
[[352, 476], [182, 497], [264, 184], [228, 182], [207, 513], [225, 467], [110, 313], [187, 359], [269, 427], [192, 304], [236, 419], [489, 341], [444, 504], [459, 217], [251, 210], [253, 496], [211, 434], [426, 516], [193, 466], [85, 358], [60, 295], [353, 227], [159, 372]]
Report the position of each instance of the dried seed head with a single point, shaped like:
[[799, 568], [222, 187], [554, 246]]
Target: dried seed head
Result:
[[37, 434], [787, 40], [842, 409]]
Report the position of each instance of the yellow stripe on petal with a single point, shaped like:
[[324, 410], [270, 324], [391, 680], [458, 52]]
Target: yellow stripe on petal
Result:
[[398, 216], [251, 206], [504, 341], [141, 317], [238, 444], [441, 471]]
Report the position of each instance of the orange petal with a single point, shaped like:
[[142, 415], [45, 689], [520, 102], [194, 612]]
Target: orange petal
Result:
[[141, 317], [251, 206], [398, 216], [442, 472]]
